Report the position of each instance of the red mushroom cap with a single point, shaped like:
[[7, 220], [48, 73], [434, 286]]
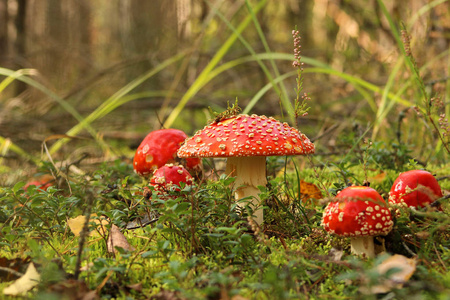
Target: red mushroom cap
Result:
[[245, 135], [358, 211], [42, 183], [415, 188], [169, 178], [158, 148]]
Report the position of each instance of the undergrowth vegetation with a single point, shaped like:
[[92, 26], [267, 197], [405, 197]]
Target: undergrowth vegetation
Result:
[[200, 246], [199, 243]]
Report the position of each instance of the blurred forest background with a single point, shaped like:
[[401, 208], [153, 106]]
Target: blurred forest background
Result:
[[86, 51]]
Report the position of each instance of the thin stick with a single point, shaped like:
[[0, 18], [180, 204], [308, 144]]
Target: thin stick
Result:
[[14, 272], [83, 234]]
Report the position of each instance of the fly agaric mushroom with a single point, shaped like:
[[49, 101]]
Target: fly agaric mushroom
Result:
[[360, 213], [42, 183], [158, 148], [246, 141], [169, 177], [415, 188]]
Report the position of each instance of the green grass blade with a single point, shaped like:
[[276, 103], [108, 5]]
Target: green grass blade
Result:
[[284, 94], [285, 100], [263, 56], [264, 90], [5, 142], [394, 30], [361, 85], [31, 82], [203, 77], [385, 106], [63, 103], [15, 75], [447, 87], [396, 33], [408, 83], [358, 81], [114, 101], [128, 98]]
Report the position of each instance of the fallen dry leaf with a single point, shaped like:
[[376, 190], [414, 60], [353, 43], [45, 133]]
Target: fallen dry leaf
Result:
[[72, 289], [238, 297], [117, 239], [167, 295], [335, 254], [76, 225], [404, 267], [136, 287], [25, 283], [309, 191], [378, 178]]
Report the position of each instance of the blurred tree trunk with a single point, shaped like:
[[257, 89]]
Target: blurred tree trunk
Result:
[[20, 44], [154, 27], [149, 28], [4, 32], [85, 23], [184, 11], [56, 29]]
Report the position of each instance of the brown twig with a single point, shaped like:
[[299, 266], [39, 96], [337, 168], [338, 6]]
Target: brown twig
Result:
[[14, 272], [83, 234]]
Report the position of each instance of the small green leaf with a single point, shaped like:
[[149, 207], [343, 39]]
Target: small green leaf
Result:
[[18, 186]]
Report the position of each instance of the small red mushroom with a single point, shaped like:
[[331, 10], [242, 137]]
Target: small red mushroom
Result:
[[246, 141], [42, 183], [415, 188], [158, 148], [361, 213], [169, 177]]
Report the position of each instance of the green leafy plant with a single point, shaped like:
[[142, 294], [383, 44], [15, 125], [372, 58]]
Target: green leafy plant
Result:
[[198, 242]]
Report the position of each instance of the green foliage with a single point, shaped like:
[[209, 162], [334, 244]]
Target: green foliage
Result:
[[200, 244]]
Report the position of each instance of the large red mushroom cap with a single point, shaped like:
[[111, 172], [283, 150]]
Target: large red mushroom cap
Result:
[[245, 141], [357, 211], [158, 148], [169, 178], [245, 135], [415, 188]]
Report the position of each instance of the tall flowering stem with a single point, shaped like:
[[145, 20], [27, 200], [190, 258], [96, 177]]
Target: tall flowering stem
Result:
[[443, 130], [300, 103]]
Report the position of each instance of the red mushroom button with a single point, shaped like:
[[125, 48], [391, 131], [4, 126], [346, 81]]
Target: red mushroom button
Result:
[[415, 188], [359, 212], [168, 178], [158, 148], [246, 141]]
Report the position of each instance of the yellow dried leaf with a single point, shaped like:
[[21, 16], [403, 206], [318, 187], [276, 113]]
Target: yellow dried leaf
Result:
[[404, 268], [76, 225], [25, 283], [378, 177], [407, 266], [309, 191]]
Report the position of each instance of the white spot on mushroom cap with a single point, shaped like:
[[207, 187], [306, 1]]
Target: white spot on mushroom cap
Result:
[[145, 148]]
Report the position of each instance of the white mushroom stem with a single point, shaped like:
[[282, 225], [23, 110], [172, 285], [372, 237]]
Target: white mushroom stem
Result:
[[250, 172], [363, 245]]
